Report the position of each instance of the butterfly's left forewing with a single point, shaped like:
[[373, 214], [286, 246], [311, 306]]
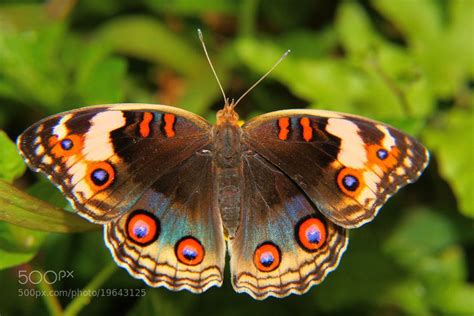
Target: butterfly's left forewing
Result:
[[347, 165]]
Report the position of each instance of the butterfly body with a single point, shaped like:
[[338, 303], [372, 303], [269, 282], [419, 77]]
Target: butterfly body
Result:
[[227, 164], [171, 189]]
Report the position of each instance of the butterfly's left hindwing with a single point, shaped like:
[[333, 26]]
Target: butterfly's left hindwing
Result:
[[347, 165], [105, 158], [284, 244]]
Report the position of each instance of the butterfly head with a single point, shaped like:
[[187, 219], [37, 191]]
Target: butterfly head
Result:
[[227, 114]]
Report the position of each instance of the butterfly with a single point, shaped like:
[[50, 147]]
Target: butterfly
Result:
[[170, 188], [172, 191]]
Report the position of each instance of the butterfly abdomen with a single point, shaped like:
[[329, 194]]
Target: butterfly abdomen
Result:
[[228, 171]]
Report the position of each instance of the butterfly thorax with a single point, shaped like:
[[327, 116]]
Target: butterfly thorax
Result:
[[228, 167]]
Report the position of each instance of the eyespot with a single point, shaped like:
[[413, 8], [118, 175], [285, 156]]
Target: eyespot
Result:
[[267, 257], [311, 233], [143, 227], [189, 251], [383, 157], [100, 175], [66, 147], [350, 181]]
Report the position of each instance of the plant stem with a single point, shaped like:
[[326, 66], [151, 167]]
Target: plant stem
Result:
[[51, 301], [81, 301]]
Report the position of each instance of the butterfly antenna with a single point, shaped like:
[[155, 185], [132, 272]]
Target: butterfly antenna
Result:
[[201, 38], [263, 77]]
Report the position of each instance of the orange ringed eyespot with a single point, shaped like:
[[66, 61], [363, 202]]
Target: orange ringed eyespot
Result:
[[100, 175], [350, 181], [311, 233], [383, 157], [68, 146], [143, 227], [267, 257], [189, 251]]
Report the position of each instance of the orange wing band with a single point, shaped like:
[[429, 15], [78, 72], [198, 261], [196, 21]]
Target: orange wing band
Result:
[[169, 125], [307, 129], [283, 125]]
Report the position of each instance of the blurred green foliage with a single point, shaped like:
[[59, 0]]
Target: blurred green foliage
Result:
[[408, 63]]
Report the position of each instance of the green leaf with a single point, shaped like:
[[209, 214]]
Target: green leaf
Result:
[[451, 139], [29, 62], [435, 37], [354, 29], [10, 259], [186, 7], [21, 209], [104, 85], [461, 33], [99, 77], [11, 164], [409, 295], [320, 81], [413, 239], [23, 16], [44, 190], [394, 75], [419, 20], [425, 244], [17, 244], [455, 300], [147, 39]]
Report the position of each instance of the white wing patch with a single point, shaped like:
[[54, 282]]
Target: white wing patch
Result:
[[60, 130], [352, 153], [388, 141], [97, 144]]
